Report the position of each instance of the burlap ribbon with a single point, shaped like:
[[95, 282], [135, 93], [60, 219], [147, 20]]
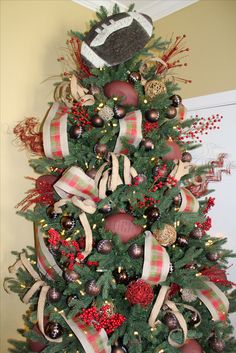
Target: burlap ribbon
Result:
[[180, 169], [144, 66], [78, 188]]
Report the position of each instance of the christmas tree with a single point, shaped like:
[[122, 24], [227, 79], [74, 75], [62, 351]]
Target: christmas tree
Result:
[[123, 259]]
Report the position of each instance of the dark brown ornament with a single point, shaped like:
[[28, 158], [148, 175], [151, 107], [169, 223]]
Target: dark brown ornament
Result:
[[186, 157], [121, 276], [119, 349], [135, 251], [95, 89], [177, 200], [67, 222], [160, 171], [54, 249], [212, 256], [182, 241], [72, 299], [176, 100], [152, 115], [134, 77], [51, 212], [119, 111], [106, 209], [153, 214], [53, 330], [91, 172], [97, 121], [194, 319], [170, 321], [216, 344], [53, 295], [196, 233], [139, 179], [148, 144], [101, 149], [171, 267], [76, 132], [104, 247], [70, 275], [171, 112], [91, 288]]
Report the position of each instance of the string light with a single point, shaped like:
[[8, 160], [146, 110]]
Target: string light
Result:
[[136, 333], [101, 105], [70, 335], [45, 225], [94, 226], [115, 99], [209, 242], [145, 101], [82, 293]]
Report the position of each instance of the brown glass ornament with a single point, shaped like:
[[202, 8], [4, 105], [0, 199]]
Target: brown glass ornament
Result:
[[152, 213], [182, 241], [152, 115], [194, 319], [106, 209], [176, 100], [54, 249], [171, 267], [97, 121], [135, 251], [51, 212], [121, 276], [67, 222], [53, 330], [212, 256], [72, 299], [171, 112], [148, 144], [134, 77], [186, 157], [91, 172], [170, 321], [70, 275], [104, 246], [91, 288], [76, 132], [53, 295], [196, 233], [216, 344], [158, 170], [101, 149], [177, 200], [119, 111], [119, 349]]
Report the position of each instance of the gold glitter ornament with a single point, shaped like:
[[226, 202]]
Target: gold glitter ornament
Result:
[[166, 236], [154, 88]]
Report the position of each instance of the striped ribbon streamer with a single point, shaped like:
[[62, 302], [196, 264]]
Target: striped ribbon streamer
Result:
[[215, 301], [91, 340], [189, 203], [156, 261], [45, 260], [55, 142], [130, 128]]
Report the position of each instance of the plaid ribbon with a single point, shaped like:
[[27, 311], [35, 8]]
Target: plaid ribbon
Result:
[[45, 261], [55, 142], [130, 128], [215, 300], [181, 112], [75, 182], [91, 340], [156, 261], [189, 203]]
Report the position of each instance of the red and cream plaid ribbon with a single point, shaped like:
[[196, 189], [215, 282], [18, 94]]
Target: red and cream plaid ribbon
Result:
[[91, 340], [189, 203], [55, 141], [215, 301], [156, 261], [131, 129]]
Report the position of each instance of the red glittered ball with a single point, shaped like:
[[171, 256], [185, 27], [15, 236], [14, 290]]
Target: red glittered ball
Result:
[[175, 152], [139, 292], [122, 89], [191, 346]]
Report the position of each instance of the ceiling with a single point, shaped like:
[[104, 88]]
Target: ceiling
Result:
[[156, 9]]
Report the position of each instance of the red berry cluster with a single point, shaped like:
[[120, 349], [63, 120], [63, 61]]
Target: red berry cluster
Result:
[[79, 114], [201, 127], [139, 292], [147, 127], [102, 318], [210, 203], [217, 275], [147, 201], [205, 226]]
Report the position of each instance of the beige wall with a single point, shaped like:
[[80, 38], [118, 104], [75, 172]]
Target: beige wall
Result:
[[210, 27], [32, 32]]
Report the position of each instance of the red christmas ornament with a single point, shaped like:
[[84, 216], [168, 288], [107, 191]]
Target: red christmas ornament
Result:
[[123, 90], [217, 275], [42, 193], [123, 225], [139, 292], [191, 346], [175, 152], [37, 345]]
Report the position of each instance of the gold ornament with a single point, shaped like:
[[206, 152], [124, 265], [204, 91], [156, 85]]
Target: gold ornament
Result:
[[166, 236], [154, 88]]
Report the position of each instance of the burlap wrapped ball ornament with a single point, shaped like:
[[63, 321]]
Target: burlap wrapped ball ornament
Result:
[[166, 236]]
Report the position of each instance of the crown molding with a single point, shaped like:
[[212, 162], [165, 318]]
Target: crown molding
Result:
[[156, 9]]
